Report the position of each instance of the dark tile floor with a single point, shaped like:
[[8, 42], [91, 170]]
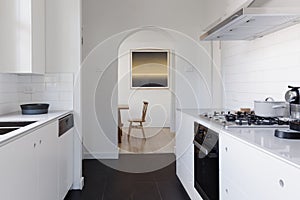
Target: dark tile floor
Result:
[[105, 183]]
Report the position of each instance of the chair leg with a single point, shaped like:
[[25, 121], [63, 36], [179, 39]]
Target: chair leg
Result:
[[141, 124], [129, 130]]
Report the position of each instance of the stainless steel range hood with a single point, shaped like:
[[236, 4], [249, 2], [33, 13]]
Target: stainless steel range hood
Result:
[[252, 21]]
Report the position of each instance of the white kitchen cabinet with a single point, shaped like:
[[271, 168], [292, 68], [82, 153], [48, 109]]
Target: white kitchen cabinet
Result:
[[230, 191], [249, 173], [18, 169], [185, 153], [46, 150], [28, 167], [65, 162], [22, 41]]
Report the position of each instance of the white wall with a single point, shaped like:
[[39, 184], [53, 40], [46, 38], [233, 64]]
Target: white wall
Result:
[[158, 114], [254, 70], [104, 19]]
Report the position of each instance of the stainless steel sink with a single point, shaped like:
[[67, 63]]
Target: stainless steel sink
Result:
[[3, 131], [6, 127], [16, 124]]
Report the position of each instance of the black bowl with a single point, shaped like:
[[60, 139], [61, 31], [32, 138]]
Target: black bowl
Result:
[[34, 109]]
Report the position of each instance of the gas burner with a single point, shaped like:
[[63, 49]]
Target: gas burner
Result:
[[244, 119]]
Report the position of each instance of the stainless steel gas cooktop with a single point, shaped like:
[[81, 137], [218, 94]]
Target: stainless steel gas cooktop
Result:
[[231, 119]]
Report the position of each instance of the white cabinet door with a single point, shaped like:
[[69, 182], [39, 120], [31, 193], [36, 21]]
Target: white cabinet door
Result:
[[65, 162], [47, 150], [18, 169], [22, 41], [28, 168], [230, 191], [255, 173]]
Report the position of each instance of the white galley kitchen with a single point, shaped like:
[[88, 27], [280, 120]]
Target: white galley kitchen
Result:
[[158, 100]]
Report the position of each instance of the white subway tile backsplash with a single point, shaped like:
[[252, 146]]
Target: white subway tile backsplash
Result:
[[7, 87], [7, 97], [24, 78], [38, 79], [253, 70], [51, 96], [66, 78], [8, 93], [24, 97], [52, 86], [9, 107], [66, 86], [66, 96], [51, 78], [38, 96], [38, 87], [25, 88], [60, 105], [8, 78], [56, 89]]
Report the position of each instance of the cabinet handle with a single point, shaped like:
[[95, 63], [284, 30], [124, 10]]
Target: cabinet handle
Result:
[[281, 183], [226, 190], [34, 145], [226, 149], [40, 141]]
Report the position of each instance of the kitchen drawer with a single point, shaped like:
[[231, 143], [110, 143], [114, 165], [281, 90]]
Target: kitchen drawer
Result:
[[256, 173]]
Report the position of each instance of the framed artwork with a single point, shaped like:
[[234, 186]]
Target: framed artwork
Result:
[[150, 68]]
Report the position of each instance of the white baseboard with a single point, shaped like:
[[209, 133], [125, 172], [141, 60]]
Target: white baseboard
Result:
[[79, 185], [102, 155]]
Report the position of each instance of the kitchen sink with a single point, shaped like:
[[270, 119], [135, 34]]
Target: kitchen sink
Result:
[[3, 131], [6, 127], [16, 124]]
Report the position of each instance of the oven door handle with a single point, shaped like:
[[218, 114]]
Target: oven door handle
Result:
[[201, 148]]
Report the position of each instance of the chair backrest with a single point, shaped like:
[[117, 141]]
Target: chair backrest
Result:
[[144, 111]]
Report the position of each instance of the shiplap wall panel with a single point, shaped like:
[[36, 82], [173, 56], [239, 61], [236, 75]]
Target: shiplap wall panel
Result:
[[254, 70]]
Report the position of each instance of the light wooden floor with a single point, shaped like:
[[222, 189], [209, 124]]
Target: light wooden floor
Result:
[[158, 140]]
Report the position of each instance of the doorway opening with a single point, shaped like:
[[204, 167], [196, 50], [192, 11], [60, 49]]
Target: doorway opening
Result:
[[159, 122]]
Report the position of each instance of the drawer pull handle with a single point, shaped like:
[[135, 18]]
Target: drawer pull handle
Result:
[[226, 149], [281, 183], [226, 190]]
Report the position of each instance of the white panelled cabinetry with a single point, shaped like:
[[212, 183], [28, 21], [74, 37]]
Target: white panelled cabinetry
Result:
[[249, 173], [38, 165], [185, 152], [65, 162], [28, 167], [22, 41], [46, 148]]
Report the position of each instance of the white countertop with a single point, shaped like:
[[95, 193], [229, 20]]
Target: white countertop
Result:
[[260, 138], [41, 120]]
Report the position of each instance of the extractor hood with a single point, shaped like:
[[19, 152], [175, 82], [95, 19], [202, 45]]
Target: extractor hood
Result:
[[252, 21]]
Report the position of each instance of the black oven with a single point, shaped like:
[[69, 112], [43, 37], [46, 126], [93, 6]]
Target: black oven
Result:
[[206, 162]]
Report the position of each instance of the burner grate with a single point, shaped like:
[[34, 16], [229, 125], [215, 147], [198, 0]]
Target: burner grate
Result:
[[245, 119]]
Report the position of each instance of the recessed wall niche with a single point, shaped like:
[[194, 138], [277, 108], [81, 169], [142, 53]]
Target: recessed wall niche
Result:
[[150, 68]]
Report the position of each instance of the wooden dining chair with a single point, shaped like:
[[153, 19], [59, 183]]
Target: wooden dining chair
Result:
[[139, 121]]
